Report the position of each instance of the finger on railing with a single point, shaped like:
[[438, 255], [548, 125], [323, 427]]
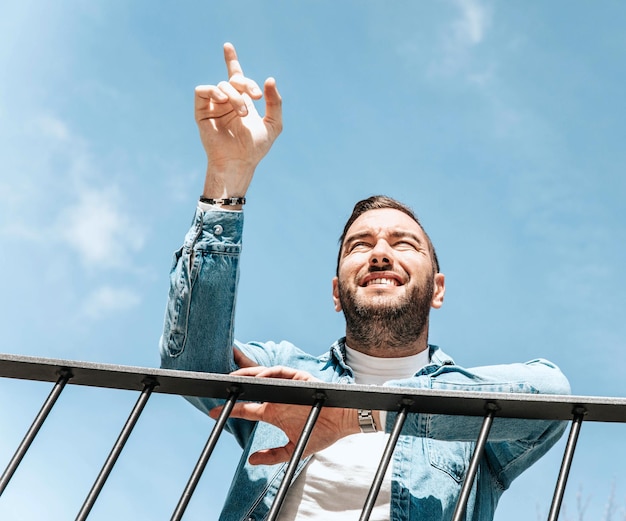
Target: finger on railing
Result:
[[320, 397], [566, 464], [234, 392], [149, 385], [64, 376]]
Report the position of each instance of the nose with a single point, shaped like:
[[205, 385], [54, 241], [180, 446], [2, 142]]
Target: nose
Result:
[[381, 255]]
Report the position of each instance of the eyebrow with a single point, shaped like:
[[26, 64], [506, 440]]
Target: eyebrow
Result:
[[395, 234]]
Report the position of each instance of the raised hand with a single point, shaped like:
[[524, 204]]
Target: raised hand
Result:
[[332, 423], [234, 135]]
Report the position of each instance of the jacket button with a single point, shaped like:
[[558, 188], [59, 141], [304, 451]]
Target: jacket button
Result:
[[217, 230]]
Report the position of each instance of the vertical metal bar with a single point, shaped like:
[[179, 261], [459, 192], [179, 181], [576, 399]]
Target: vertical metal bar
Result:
[[295, 458], [461, 504], [566, 464], [149, 385], [206, 454], [64, 376], [384, 461]]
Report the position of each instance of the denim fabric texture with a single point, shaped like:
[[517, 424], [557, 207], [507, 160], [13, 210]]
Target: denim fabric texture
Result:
[[433, 453]]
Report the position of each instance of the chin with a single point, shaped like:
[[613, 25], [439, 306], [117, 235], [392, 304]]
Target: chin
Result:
[[393, 293], [382, 301]]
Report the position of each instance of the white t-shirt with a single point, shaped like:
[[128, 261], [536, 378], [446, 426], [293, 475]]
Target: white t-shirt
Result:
[[335, 483]]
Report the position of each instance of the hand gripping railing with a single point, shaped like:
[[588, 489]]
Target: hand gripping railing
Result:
[[315, 394]]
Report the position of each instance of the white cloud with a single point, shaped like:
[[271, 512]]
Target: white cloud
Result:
[[470, 28], [466, 31], [98, 229], [59, 195], [106, 300], [52, 127]]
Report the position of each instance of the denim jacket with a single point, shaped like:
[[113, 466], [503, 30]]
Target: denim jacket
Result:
[[433, 452]]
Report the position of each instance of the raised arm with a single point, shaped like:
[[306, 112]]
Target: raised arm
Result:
[[199, 318], [234, 135]]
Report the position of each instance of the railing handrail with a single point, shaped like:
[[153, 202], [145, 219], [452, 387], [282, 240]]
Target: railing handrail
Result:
[[188, 383], [316, 394]]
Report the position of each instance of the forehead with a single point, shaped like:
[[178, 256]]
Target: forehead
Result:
[[384, 222]]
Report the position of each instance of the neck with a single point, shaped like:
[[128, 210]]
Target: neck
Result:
[[386, 344]]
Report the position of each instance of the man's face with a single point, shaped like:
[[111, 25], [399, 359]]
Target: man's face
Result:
[[386, 282]]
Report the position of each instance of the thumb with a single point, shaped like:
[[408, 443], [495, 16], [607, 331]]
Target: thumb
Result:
[[273, 106], [272, 456]]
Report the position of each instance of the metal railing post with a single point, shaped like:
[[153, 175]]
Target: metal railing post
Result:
[[206, 453], [461, 505], [320, 397], [385, 460], [64, 376], [149, 385], [566, 464]]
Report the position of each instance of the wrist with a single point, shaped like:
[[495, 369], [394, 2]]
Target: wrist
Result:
[[226, 180], [223, 195]]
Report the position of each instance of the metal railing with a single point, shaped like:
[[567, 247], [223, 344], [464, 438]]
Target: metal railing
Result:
[[314, 394]]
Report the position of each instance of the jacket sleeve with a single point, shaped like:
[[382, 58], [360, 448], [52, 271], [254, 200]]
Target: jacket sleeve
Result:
[[513, 444], [199, 318]]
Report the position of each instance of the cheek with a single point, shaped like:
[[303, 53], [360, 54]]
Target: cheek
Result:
[[416, 268], [348, 268]]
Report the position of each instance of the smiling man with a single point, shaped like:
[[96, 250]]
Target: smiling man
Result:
[[387, 281]]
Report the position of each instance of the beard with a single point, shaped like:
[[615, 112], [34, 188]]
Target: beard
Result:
[[385, 323]]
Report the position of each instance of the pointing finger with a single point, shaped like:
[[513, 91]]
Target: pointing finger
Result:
[[236, 76], [232, 62]]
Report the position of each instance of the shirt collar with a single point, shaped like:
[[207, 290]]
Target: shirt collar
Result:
[[437, 356]]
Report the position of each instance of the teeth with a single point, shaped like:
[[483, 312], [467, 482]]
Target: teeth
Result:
[[387, 282]]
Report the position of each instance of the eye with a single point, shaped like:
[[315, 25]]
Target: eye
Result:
[[359, 246], [405, 245]]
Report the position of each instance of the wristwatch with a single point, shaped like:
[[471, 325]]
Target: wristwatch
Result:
[[366, 421]]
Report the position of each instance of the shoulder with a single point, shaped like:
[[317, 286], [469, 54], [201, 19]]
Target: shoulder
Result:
[[535, 376]]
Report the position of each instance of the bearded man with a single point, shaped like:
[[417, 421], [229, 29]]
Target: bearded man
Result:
[[387, 281]]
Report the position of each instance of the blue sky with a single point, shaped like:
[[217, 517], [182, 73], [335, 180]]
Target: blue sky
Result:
[[501, 123]]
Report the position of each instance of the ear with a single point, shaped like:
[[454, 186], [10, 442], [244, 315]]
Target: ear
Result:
[[439, 290], [336, 294]]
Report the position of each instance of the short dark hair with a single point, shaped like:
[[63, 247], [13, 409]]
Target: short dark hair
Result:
[[382, 202]]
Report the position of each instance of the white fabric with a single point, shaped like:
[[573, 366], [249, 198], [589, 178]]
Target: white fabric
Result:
[[335, 483]]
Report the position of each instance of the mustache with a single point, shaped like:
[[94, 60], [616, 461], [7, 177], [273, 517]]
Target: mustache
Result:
[[387, 269], [374, 269]]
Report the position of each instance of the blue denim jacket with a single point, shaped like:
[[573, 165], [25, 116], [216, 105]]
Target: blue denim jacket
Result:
[[433, 452]]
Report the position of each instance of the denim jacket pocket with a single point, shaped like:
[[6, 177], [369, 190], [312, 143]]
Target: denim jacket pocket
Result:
[[451, 457]]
